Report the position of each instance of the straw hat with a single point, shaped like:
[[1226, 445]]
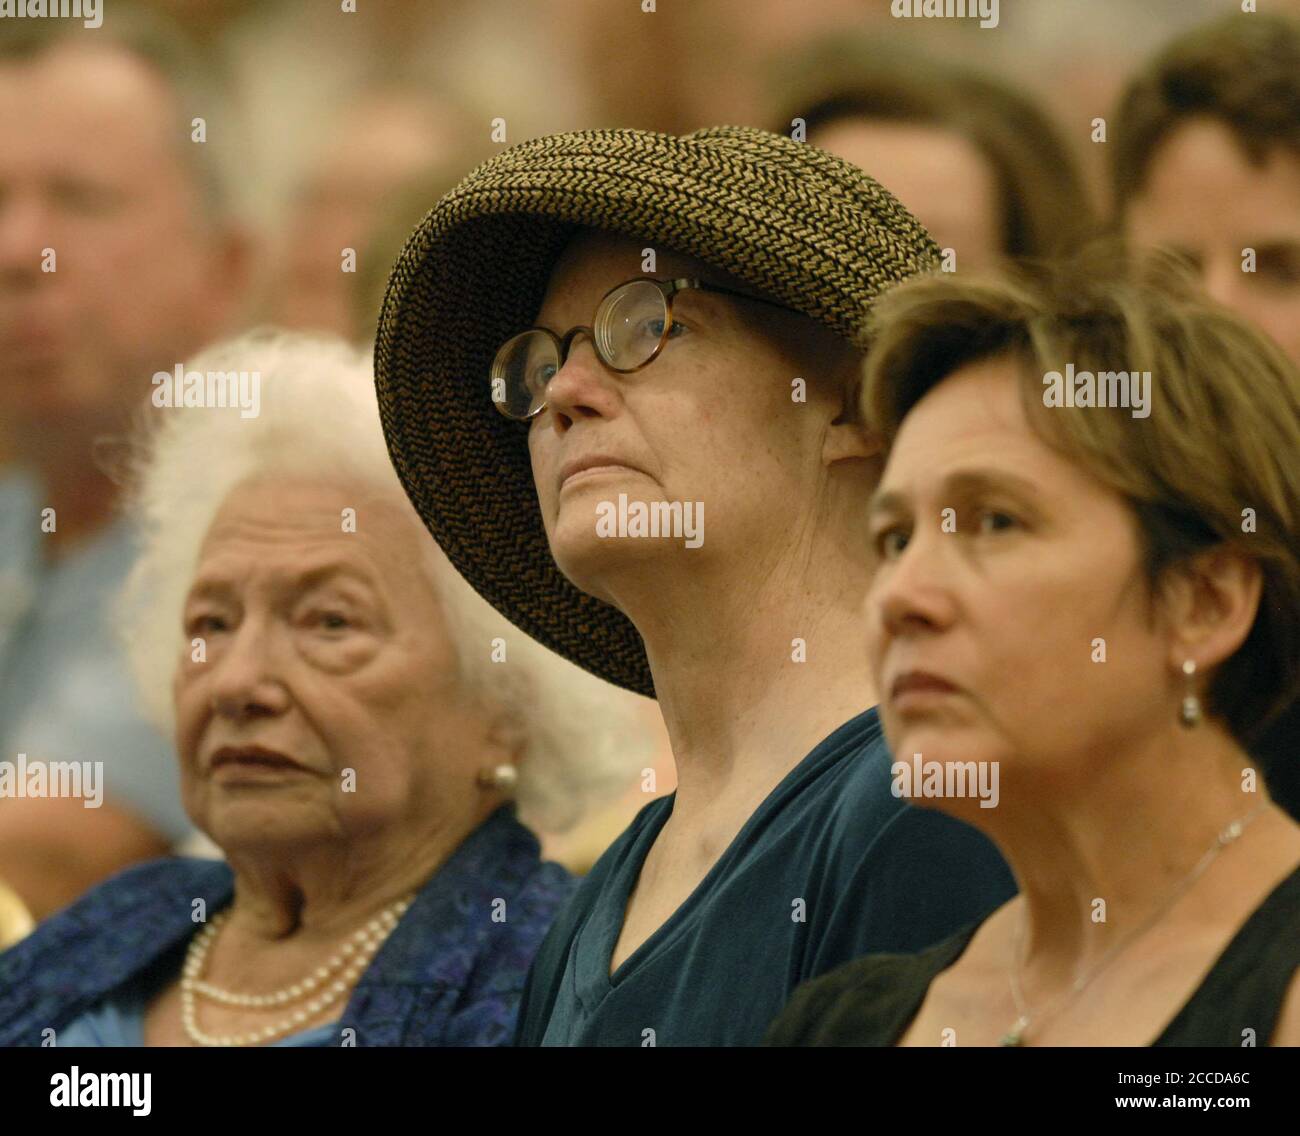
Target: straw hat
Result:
[[794, 222]]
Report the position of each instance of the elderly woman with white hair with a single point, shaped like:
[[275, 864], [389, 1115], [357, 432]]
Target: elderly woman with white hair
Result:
[[355, 729]]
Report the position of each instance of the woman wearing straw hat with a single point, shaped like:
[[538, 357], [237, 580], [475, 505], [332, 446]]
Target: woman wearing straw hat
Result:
[[615, 371]]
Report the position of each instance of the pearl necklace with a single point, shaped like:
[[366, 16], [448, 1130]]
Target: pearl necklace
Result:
[[352, 959], [1015, 1035]]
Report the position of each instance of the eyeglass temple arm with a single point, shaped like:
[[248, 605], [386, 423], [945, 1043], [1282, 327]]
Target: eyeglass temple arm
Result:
[[688, 282]]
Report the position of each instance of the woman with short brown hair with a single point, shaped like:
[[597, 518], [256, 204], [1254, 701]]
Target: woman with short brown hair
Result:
[[1089, 535]]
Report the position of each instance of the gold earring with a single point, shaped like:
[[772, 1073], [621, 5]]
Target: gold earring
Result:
[[503, 777], [1190, 714]]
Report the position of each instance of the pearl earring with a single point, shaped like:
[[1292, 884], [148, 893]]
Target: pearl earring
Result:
[[1190, 714], [504, 777]]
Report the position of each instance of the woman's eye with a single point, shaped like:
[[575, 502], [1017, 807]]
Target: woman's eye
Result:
[[654, 328], [1280, 270], [890, 542], [994, 520], [206, 624], [329, 621], [540, 376]]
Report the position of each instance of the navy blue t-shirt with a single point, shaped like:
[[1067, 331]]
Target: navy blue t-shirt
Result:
[[831, 866]]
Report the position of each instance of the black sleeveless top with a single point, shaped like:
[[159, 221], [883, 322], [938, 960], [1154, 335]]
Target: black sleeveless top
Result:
[[871, 1001]]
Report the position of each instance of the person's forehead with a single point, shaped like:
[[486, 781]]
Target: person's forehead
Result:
[[128, 95], [289, 510], [1203, 170], [978, 397]]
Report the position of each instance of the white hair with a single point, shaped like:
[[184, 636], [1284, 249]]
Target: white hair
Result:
[[584, 740]]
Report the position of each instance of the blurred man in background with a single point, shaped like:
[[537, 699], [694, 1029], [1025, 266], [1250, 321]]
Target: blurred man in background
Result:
[[1207, 166], [115, 262]]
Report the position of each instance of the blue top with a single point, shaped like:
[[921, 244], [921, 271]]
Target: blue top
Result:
[[118, 1023], [451, 972], [829, 867], [65, 694]]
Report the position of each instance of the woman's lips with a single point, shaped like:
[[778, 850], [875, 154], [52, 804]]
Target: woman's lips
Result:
[[256, 762], [594, 471], [915, 686], [592, 464]]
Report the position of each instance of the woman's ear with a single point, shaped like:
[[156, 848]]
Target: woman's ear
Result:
[[847, 439], [1210, 605]]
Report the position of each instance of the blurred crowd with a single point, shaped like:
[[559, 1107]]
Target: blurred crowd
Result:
[[195, 168]]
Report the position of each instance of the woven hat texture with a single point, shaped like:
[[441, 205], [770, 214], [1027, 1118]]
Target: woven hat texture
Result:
[[794, 222]]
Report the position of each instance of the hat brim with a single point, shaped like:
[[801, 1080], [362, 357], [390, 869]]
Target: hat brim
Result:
[[796, 223]]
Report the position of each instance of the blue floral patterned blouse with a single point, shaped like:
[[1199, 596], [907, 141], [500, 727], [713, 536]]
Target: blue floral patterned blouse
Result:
[[449, 974]]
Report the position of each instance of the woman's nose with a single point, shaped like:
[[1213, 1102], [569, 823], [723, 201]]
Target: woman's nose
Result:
[[244, 680], [583, 387], [911, 592]]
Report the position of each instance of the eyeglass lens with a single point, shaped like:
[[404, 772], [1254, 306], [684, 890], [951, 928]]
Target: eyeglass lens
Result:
[[630, 324]]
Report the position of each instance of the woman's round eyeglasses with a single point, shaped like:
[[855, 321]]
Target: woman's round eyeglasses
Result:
[[633, 322]]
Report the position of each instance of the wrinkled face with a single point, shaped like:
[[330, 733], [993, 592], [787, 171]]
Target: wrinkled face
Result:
[[325, 651], [983, 639], [100, 182], [940, 177], [1206, 200], [712, 422]]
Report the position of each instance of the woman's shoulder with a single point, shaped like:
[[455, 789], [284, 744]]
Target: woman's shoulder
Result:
[[114, 932], [1252, 992], [546, 890], [171, 885], [161, 880], [865, 1002], [133, 904]]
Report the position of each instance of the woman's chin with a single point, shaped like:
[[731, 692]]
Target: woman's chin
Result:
[[244, 826], [936, 741], [588, 562]]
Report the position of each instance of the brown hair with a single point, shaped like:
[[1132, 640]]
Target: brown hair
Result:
[[1223, 433], [1043, 204], [1242, 70]]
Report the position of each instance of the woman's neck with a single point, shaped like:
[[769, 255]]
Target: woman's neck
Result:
[[325, 891], [1102, 860], [751, 673]]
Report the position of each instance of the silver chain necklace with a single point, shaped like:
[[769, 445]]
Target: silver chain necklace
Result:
[[1015, 1035]]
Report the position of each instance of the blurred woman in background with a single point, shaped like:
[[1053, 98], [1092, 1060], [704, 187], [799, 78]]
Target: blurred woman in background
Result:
[[978, 161]]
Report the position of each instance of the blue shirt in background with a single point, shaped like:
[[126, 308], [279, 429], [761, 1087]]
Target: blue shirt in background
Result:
[[830, 866], [65, 693]]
